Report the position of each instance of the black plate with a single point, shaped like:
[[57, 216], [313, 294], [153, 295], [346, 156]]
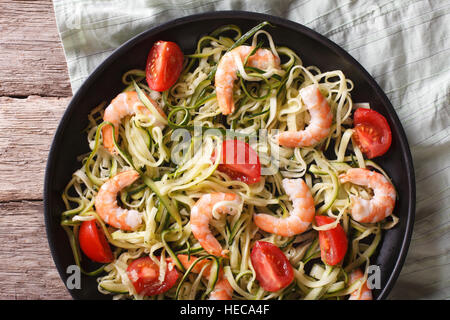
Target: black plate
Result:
[[314, 49]]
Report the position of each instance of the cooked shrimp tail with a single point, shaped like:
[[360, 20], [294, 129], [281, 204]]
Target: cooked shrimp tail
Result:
[[107, 207], [125, 104], [383, 201], [201, 215], [319, 126], [300, 217], [365, 293], [226, 73]]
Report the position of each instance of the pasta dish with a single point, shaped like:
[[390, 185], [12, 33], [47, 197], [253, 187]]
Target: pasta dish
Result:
[[234, 172]]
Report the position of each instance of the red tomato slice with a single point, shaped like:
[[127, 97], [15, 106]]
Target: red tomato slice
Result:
[[164, 65], [273, 270], [372, 132], [333, 242], [240, 162], [144, 273], [93, 242]]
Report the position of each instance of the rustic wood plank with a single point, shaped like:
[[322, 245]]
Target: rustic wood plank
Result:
[[27, 270], [31, 56], [27, 127]]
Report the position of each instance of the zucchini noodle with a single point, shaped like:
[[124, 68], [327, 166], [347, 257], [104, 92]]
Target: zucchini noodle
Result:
[[175, 174]]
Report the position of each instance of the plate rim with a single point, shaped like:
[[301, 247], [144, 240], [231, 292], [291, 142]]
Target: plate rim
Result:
[[230, 14]]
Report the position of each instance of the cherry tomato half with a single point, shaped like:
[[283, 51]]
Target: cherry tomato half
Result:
[[144, 273], [333, 242], [93, 242], [240, 162], [273, 270], [372, 132], [164, 65]]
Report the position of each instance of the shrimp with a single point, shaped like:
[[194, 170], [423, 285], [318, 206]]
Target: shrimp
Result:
[[106, 202], [126, 103], [202, 213], [319, 126], [383, 201], [227, 69], [365, 293], [300, 217], [222, 289]]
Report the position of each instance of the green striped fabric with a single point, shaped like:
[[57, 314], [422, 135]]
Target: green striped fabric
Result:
[[403, 44]]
